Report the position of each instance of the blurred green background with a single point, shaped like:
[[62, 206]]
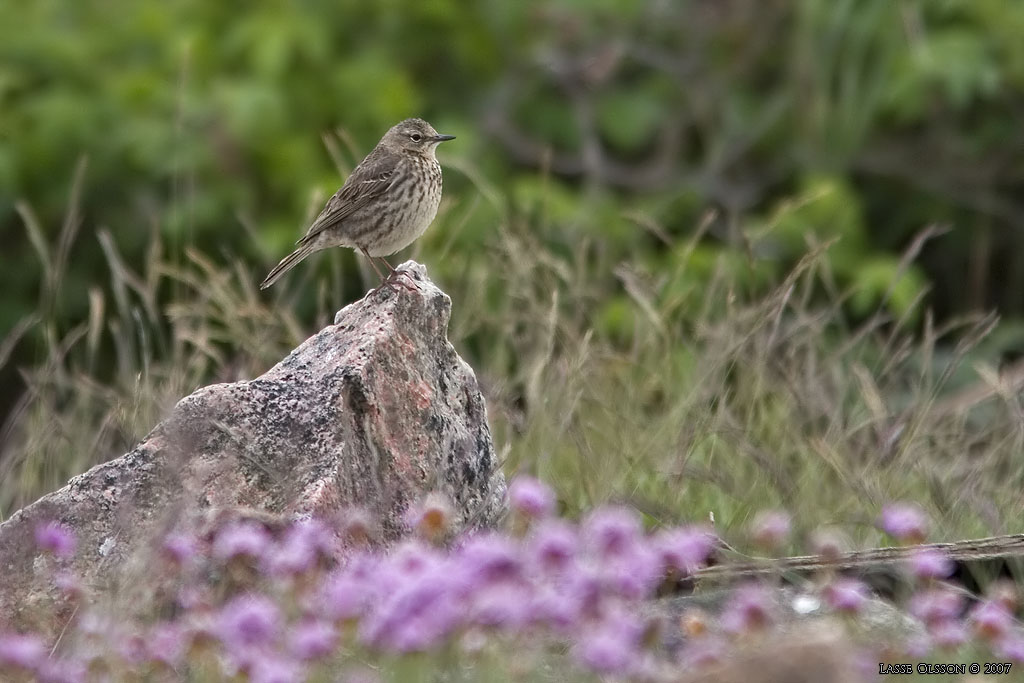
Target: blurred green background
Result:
[[612, 156], [866, 119]]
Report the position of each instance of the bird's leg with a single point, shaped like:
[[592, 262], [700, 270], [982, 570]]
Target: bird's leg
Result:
[[373, 264], [395, 274]]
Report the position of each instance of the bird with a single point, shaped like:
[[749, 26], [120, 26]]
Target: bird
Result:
[[388, 201]]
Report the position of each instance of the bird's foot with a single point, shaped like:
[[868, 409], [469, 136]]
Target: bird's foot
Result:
[[395, 283], [395, 278]]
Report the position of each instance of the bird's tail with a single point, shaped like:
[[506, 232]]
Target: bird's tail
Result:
[[286, 264]]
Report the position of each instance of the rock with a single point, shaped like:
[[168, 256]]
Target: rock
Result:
[[373, 411]]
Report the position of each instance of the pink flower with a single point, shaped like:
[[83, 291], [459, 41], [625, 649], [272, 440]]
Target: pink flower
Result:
[[846, 595], [949, 634], [342, 596], [1011, 647], [612, 531], [304, 543], [991, 619], [55, 538], [62, 671], [751, 607], [830, 543], [248, 621], [312, 639], [180, 548], [531, 498], [501, 606], [771, 528], [936, 605], [613, 647], [241, 539], [167, 643], [684, 549], [929, 563], [633, 576], [553, 546], [266, 668], [487, 558], [553, 608], [418, 613], [22, 651], [904, 522]]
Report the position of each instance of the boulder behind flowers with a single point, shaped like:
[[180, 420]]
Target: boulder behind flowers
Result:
[[373, 411]]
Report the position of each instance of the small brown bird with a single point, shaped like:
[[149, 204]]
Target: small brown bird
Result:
[[389, 200]]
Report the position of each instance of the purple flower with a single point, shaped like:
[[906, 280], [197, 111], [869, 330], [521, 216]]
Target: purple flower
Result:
[[530, 497], [1011, 647], [553, 608], [62, 671], [632, 576], [411, 558], [55, 538], [488, 558], [584, 588], [929, 563], [904, 522], [846, 595], [180, 548], [612, 531], [417, 614], [274, 669], [342, 596], [23, 651], [684, 549], [131, 648], [948, 634], [501, 606], [751, 607], [304, 543], [603, 653], [167, 643], [248, 621], [68, 584], [192, 597], [991, 619], [771, 528], [312, 639], [936, 605], [553, 546], [241, 539], [613, 647], [830, 543]]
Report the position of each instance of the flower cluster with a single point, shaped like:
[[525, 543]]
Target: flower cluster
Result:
[[284, 605]]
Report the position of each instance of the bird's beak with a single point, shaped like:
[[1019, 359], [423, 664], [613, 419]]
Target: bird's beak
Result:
[[443, 138]]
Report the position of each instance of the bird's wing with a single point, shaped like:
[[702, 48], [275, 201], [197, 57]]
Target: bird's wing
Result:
[[370, 179]]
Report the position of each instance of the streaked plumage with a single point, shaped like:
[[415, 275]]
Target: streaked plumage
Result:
[[388, 201]]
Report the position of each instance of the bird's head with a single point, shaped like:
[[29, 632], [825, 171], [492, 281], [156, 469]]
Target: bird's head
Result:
[[415, 136]]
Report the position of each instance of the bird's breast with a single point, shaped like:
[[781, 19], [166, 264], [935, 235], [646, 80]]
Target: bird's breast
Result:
[[412, 206]]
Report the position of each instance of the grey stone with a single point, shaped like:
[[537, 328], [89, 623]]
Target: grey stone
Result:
[[375, 411]]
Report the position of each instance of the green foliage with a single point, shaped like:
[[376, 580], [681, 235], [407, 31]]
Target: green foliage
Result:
[[195, 116], [632, 184]]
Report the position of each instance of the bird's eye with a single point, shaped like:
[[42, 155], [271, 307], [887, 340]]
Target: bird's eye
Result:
[[416, 137]]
